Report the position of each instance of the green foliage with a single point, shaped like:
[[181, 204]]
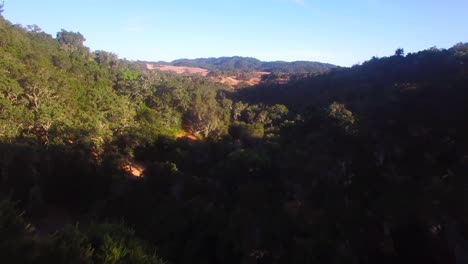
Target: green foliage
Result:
[[14, 233], [117, 244], [101, 244], [461, 50], [149, 126], [237, 110], [245, 65], [12, 225], [205, 115], [54, 90], [343, 116], [70, 245], [47, 90], [241, 130], [400, 52], [161, 175], [364, 164], [106, 59], [70, 38]]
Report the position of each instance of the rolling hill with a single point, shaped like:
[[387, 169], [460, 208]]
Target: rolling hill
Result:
[[239, 71], [237, 63]]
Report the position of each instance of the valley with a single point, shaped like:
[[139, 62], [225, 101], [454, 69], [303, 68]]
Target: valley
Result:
[[231, 159]]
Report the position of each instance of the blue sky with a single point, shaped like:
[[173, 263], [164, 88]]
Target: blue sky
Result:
[[343, 32]]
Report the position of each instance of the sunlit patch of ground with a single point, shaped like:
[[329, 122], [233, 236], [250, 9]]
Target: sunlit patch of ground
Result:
[[133, 169], [231, 80], [183, 70], [188, 136], [236, 80]]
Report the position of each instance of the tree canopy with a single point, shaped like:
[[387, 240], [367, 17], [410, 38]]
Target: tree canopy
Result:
[[102, 161]]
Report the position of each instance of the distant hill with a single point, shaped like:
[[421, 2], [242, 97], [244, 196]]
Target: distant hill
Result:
[[238, 72], [247, 64], [378, 82]]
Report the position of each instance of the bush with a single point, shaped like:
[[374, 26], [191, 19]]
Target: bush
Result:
[[105, 243], [15, 247], [244, 131]]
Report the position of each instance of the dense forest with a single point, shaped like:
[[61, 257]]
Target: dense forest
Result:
[[246, 64], [365, 164]]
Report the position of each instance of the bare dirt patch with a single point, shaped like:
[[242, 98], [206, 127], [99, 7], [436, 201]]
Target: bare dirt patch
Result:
[[230, 80], [133, 169], [235, 80], [187, 136], [182, 70]]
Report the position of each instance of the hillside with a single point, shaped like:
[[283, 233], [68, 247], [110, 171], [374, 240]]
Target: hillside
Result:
[[226, 64], [234, 79], [377, 78], [240, 71], [105, 161], [182, 70]]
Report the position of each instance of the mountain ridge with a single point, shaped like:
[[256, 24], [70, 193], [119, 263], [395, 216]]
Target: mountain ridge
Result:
[[240, 63]]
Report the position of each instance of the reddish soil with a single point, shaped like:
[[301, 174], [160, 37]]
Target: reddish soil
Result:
[[178, 69], [234, 80], [133, 169], [188, 136], [231, 80]]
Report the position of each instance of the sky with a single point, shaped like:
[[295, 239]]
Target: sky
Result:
[[342, 32]]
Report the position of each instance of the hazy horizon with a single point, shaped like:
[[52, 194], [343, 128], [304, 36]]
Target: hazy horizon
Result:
[[341, 33]]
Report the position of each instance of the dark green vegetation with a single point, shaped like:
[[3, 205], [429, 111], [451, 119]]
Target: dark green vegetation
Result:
[[105, 243], [245, 64], [368, 165]]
